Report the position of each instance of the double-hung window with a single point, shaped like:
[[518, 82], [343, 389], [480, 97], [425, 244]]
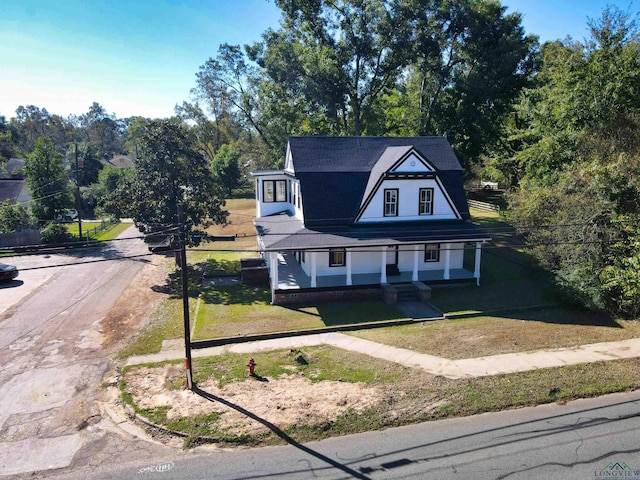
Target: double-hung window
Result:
[[432, 252], [391, 202], [337, 257], [425, 204], [274, 191]]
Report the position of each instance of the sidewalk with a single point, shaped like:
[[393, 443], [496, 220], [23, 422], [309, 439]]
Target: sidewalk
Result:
[[454, 369]]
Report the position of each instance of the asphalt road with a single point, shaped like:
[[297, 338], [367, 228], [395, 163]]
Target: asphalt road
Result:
[[52, 358], [585, 439]]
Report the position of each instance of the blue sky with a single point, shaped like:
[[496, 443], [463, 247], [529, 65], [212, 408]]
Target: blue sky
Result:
[[140, 57]]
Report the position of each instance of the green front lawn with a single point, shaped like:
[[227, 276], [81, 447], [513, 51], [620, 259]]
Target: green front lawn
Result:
[[92, 230], [242, 310]]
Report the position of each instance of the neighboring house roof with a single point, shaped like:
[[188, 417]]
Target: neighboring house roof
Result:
[[14, 190], [349, 167], [13, 168], [120, 161]]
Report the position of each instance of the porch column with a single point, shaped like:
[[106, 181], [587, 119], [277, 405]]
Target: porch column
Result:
[[313, 269], [274, 269], [447, 261], [476, 273], [383, 268], [414, 276], [348, 260]]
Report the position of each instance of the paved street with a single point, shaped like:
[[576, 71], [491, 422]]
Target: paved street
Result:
[[53, 358], [582, 440]]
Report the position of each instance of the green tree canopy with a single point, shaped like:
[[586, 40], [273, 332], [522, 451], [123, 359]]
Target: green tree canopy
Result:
[[579, 165], [170, 170], [376, 67], [111, 191], [226, 168], [47, 179], [13, 217]]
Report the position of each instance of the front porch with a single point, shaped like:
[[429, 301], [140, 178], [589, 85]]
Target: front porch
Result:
[[291, 276]]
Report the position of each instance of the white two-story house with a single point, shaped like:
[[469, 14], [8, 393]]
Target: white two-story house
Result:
[[357, 215]]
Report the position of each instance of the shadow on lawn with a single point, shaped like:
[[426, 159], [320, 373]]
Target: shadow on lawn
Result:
[[513, 286], [215, 267], [173, 282], [235, 295], [347, 312]]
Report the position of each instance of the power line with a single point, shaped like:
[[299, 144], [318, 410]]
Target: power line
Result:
[[316, 250], [85, 262]]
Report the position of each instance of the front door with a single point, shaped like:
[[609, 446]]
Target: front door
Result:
[[392, 261]]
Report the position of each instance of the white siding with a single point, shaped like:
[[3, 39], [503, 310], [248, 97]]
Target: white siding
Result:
[[263, 208], [408, 195], [413, 164], [367, 260]]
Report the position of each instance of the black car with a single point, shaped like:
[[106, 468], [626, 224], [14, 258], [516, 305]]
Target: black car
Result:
[[7, 272]]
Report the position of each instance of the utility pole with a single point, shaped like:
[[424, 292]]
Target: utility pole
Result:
[[78, 200], [185, 296]]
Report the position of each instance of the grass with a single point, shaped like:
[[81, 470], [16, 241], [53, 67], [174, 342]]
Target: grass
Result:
[[223, 257], [242, 310], [486, 335], [315, 363], [505, 318], [410, 395], [165, 323], [510, 281], [110, 232]]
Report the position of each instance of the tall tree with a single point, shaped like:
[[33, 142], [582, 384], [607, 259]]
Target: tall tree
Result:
[[13, 217], [210, 134], [377, 67], [7, 145], [582, 165], [169, 171], [471, 61], [30, 123], [342, 56], [102, 130], [135, 129], [229, 81], [47, 180], [111, 193], [226, 168], [89, 164]]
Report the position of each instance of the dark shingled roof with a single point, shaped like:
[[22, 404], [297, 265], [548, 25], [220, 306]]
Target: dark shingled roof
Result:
[[11, 189], [285, 232], [334, 172]]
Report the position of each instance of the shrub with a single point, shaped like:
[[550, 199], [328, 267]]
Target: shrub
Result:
[[55, 233]]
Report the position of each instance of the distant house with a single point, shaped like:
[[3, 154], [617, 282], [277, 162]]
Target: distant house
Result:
[[16, 191], [13, 169], [354, 216], [13, 186]]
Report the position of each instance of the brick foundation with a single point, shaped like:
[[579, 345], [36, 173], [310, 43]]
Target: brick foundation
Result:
[[290, 297]]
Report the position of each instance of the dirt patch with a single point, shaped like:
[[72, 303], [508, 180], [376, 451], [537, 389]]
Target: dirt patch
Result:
[[135, 304], [285, 401]]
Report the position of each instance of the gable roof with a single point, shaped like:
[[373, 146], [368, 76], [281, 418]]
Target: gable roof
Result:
[[334, 172]]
